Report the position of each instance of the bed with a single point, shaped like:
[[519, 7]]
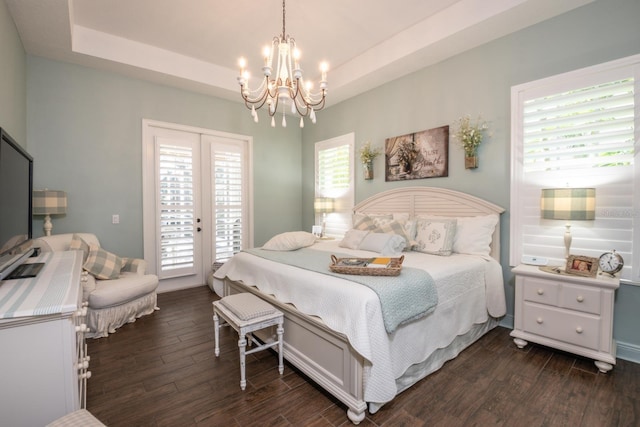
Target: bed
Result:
[[335, 329]]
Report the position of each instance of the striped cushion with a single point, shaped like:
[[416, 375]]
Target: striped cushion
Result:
[[102, 265], [247, 306]]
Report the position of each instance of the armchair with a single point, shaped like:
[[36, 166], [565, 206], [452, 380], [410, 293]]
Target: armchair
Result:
[[115, 302]]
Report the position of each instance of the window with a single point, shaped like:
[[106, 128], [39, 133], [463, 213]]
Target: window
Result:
[[334, 179], [578, 130], [228, 200]]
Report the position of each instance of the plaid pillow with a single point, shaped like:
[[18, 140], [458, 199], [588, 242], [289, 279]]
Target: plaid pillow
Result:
[[367, 224], [394, 227], [131, 264], [78, 244], [102, 265]]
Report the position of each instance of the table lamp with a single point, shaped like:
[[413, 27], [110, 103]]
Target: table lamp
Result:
[[570, 204], [323, 205], [49, 202]]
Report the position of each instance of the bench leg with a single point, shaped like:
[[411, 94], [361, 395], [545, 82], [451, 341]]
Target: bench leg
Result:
[[280, 332], [216, 328], [242, 344]]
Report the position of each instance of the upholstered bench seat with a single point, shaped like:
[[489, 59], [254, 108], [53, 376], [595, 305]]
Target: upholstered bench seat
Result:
[[246, 313]]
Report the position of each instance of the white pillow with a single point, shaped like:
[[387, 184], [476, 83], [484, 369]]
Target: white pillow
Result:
[[290, 241], [435, 236], [353, 238], [383, 243], [474, 234]]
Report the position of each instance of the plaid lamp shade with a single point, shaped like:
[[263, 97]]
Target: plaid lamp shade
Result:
[[323, 205], [49, 202], [568, 203]]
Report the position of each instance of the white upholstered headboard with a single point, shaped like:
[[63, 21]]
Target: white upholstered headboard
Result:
[[433, 201]]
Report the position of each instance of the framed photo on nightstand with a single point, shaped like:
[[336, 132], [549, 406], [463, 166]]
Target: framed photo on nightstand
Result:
[[582, 265]]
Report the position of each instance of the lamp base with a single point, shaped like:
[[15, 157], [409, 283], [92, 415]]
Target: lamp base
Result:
[[567, 240], [48, 226]]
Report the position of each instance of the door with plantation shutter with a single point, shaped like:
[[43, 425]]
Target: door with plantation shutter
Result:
[[196, 203]]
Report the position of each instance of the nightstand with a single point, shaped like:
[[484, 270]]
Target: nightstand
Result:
[[567, 312]]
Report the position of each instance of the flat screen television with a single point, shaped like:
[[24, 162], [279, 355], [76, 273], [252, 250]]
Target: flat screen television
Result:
[[16, 190]]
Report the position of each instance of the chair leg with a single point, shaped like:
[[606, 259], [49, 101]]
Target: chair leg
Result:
[[280, 332], [216, 328], [242, 344]]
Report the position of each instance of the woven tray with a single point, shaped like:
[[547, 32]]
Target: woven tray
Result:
[[392, 270]]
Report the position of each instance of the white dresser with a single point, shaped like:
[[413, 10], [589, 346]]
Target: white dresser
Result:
[[43, 360], [567, 312]]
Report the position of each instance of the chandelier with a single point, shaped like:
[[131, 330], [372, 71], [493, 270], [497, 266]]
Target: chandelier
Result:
[[286, 86]]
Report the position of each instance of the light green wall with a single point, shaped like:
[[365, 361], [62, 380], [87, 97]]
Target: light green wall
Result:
[[479, 82], [13, 81], [85, 134]]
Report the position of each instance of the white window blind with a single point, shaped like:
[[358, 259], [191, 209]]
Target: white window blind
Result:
[[228, 195], [176, 207], [577, 130], [334, 179]]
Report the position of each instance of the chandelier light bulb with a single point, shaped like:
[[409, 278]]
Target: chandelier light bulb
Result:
[[283, 80]]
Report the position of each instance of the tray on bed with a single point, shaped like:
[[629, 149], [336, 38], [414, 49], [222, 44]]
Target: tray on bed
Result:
[[359, 266]]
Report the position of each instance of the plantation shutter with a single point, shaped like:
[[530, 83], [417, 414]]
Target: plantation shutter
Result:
[[575, 131], [228, 199], [334, 179], [176, 209]]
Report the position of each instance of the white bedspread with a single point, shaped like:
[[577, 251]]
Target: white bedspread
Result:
[[469, 288]]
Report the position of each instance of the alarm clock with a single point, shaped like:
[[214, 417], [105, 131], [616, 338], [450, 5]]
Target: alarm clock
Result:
[[610, 262]]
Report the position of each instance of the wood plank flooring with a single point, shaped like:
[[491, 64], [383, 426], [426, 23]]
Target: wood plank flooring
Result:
[[161, 371]]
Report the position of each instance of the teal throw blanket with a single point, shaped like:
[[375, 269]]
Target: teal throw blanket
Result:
[[410, 295]]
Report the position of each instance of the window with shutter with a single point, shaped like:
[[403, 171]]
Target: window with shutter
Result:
[[334, 179], [228, 199], [176, 207], [577, 130]]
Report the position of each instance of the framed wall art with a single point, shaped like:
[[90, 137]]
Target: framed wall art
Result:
[[417, 155]]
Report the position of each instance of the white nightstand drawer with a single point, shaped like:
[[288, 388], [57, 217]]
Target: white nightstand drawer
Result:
[[570, 327], [581, 298], [542, 291]]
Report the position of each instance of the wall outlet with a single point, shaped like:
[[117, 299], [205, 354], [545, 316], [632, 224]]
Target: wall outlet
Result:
[[115, 219]]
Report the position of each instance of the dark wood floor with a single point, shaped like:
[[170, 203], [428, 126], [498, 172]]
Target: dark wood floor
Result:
[[161, 371]]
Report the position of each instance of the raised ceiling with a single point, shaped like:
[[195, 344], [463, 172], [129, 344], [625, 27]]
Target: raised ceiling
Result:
[[195, 44]]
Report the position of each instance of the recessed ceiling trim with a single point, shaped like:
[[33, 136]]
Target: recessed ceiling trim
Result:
[[106, 46]]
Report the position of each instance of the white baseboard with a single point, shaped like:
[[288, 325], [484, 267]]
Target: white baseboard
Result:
[[629, 352]]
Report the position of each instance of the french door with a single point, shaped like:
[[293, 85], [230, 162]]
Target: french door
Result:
[[196, 201]]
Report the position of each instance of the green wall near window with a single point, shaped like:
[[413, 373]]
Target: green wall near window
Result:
[[85, 134]]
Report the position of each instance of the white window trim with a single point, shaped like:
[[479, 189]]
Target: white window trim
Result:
[[555, 84]]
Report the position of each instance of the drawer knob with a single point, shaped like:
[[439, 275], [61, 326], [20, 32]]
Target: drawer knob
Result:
[[539, 320], [579, 330], [540, 291], [580, 298]]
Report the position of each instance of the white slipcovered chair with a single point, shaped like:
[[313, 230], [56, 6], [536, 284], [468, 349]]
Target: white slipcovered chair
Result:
[[111, 302]]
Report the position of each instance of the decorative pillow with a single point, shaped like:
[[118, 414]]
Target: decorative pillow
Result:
[[435, 236], [78, 244], [383, 243], [353, 238], [290, 241], [377, 217], [395, 227], [131, 264], [101, 264], [474, 234], [365, 223]]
